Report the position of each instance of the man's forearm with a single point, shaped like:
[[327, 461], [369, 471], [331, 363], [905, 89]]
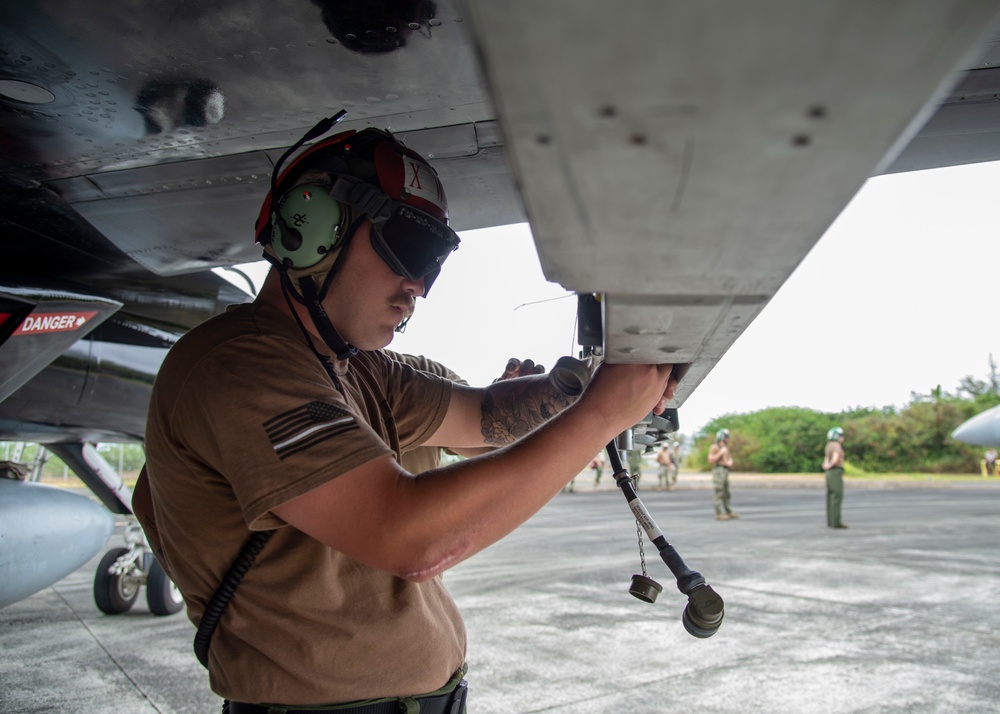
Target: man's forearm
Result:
[[512, 408]]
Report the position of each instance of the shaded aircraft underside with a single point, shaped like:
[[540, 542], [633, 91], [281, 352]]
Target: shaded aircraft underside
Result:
[[679, 159]]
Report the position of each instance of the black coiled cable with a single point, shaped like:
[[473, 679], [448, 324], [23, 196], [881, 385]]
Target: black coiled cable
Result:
[[224, 593]]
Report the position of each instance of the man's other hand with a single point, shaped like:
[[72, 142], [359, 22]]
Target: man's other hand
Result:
[[520, 368]]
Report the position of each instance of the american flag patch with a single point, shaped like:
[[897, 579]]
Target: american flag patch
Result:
[[306, 426]]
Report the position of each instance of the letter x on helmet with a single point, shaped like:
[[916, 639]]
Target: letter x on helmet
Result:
[[371, 172]]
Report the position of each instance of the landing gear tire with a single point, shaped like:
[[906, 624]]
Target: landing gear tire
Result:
[[162, 596], [114, 594]]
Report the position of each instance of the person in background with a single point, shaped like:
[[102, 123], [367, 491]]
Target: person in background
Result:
[[635, 466], [665, 460], [991, 461], [833, 465], [597, 464], [722, 462]]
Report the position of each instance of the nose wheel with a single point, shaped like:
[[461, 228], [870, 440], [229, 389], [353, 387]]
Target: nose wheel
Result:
[[162, 596], [123, 571], [115, 590]]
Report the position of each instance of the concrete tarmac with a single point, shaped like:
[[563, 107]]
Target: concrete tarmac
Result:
[[898, 613]]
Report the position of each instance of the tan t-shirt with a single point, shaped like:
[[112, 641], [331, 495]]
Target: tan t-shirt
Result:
[[243, 417], [423, 458]]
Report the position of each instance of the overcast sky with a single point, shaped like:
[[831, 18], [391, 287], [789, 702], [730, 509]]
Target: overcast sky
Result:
[[898, 297]]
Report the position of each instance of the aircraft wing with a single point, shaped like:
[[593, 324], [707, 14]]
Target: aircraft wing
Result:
[[680, 158]]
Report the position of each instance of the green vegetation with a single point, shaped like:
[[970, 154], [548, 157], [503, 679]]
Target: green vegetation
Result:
[[909, 443], [913, 440]]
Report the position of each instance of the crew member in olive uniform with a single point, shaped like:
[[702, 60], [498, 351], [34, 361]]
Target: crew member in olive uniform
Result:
[[635, 466], [833, 464], [722, 462]]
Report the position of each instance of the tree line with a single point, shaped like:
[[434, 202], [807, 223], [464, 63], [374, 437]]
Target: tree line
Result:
[[913, 439]]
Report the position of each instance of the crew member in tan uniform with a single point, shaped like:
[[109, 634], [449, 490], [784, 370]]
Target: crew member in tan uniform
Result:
[[285, 415], [668, 473]]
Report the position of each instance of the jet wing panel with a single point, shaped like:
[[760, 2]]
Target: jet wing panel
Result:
[[965, 129], [182, 217], [39, 324], [685, 160]]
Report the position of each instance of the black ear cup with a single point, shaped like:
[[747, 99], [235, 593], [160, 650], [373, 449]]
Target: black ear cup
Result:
[[306, 225]]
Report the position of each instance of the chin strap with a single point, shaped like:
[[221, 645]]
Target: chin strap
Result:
[[314, 304]]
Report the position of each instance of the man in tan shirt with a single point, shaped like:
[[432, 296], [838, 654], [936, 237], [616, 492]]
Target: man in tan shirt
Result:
[[286, 415]]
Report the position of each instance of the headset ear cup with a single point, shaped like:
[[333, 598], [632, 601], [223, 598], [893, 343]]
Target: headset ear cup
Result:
[[306, 225]]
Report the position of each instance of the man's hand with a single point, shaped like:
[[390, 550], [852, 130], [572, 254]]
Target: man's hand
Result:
[[516, 368], [632, 390]]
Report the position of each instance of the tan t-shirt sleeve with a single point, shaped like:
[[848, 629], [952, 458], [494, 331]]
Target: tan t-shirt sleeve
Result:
[[276, 432]]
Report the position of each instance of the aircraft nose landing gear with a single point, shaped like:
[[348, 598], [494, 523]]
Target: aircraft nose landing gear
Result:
[[122, 571], [116, 585]]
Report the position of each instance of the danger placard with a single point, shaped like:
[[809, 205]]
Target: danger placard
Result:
[[40, 323]]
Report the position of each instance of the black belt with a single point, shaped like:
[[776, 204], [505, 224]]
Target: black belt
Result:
[[449, 703]]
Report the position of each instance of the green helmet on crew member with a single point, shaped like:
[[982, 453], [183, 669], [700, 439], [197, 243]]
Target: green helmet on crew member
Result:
[[834, 433], [722, 435]]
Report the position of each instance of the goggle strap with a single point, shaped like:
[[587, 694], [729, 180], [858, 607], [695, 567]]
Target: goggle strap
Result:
[[369, 200]]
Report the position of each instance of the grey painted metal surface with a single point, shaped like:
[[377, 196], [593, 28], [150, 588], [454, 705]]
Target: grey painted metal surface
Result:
[[683, 158], [896, 614], [981, 430], [45, 534]]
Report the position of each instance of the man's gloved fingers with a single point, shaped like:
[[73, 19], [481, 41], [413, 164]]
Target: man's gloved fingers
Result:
[[520, 368]]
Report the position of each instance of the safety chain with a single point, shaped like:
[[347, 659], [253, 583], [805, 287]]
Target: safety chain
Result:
[[638, 533]]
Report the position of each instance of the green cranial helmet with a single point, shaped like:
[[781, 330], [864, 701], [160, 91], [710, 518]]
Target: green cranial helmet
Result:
[[722, 434], [834, 433]]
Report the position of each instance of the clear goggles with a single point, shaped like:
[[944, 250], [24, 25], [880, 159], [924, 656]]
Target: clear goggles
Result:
[[414, 244]]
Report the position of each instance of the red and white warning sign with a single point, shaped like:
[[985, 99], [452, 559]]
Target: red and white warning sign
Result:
[[41, 323]]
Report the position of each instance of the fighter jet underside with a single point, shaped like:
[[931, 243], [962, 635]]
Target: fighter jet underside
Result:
[[679, 159]]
